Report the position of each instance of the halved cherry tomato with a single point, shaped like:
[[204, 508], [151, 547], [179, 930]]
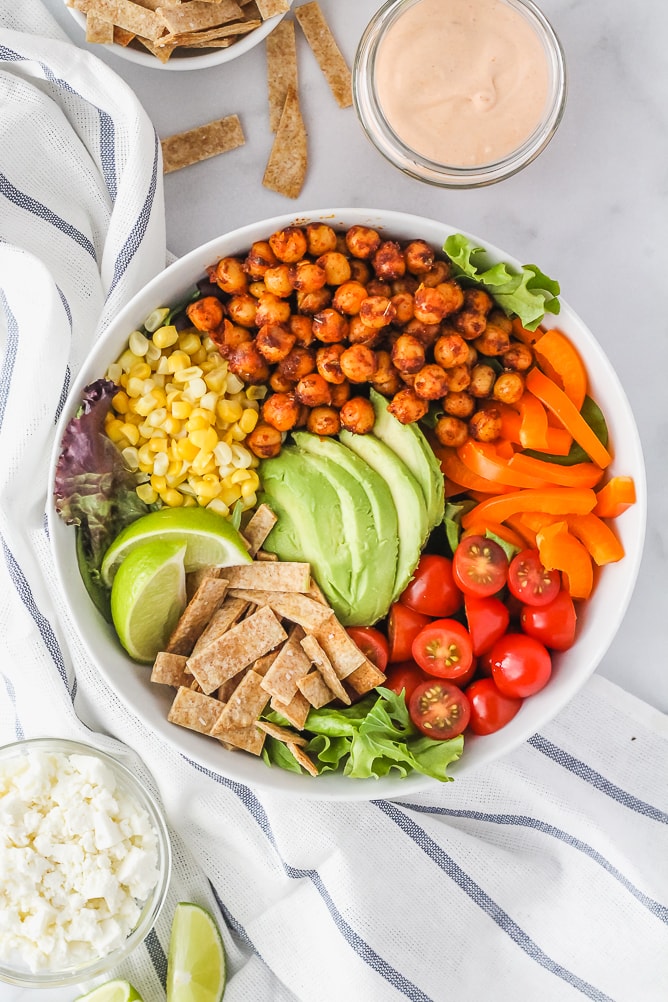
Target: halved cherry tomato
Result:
[[372, 643], [480, 566], [487, 620], [521, 665], [490, 709], [530, 582], [439, 709], [404, 676], [403, 626], [433, 591], [444, 648], [553, 624]]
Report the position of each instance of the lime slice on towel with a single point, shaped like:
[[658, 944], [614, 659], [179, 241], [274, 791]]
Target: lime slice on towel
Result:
[[196, 958], [113, 991]]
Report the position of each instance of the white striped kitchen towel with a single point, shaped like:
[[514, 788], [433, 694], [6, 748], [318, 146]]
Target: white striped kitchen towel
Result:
[[543, 876]]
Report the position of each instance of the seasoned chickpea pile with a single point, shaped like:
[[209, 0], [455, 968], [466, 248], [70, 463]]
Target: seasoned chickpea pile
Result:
[[319, 316]]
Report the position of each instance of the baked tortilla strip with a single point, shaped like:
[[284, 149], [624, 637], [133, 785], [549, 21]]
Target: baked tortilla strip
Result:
[[285, 172], [239, 647], [326, 51], [186, 148], [124, 13], [281, 68]]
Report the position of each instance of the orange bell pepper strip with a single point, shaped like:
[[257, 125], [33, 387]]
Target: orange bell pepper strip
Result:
[[560, 550], [524, 335], [577, 475], [560, 360], [533, 423], [615, 497], [557, 440], [484, 460], [553, 500], [504, 532], [602, 544], [556, 400], [454, 470], [518, 525]]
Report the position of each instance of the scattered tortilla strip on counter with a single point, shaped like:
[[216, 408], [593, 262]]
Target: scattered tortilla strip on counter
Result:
[[236, 649], [186, 148], [281, 68], [285, 172], [327, 53], [194, 710]]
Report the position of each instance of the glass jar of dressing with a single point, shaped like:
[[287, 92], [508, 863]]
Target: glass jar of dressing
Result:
[[459, 93]]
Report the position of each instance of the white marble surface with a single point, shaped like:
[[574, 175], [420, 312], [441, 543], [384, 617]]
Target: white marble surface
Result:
[[592, 211]]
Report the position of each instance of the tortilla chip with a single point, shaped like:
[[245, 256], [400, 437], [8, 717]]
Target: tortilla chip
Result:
[[236, 649], [194, 710], [290, 664], [250, 739], [316, 690], [161, 52], [265, 555], [169, 669], [122, 37], [196, 615], [303, 759], [258, 527], [262, 665], [281, 68], [224, 691], [195, 15], [270, 8], [186, 148], [325, 667], [229, 613], [281, 733], [223, 34], [279, 576], [98, 29], [339, 646], [365, 678], [326, 51], [195, 578], [315, 592], [124, 13], [285, 172], [296, 711], [244, 705], [294, 606]]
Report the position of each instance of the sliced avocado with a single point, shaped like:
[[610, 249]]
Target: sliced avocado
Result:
[[372, 522], [407, 496], [411, 446]]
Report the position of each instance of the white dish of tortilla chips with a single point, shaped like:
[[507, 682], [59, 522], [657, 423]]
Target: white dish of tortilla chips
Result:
[[599, 619], [189, 35]]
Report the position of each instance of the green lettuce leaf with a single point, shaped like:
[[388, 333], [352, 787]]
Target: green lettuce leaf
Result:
[[527, 294]]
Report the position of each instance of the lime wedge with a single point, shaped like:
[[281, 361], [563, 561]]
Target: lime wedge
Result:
[[196, 958], [210, 539], [148, 596], [112, 991]]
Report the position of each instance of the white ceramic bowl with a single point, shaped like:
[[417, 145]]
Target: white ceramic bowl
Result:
[[599, 620], [198, 59]]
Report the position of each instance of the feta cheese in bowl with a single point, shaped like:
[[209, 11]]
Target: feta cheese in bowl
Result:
[[84, 862]]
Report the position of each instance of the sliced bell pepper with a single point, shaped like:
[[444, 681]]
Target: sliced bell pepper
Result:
[[518, 525], [505, 532], [560, 360], [560, 550], [601, 542], [524, 335], [578, 475], [454, 470], [556, 400], [484, 460], [533, 424], [553, 500], [615, 497], [558, 439]]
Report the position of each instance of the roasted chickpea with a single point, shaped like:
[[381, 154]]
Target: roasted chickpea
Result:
[[230, 275], [408, 283], [478, 300], [439, 272], [324, 421], [509, 387], [312, 302], [256, 289], [313, 391], [408, 354], [298, 363], [388, 261], [340, 393], [451, 431], [328, 362], [320, 239], [306, 276], [386, 379], [281, 411], [302, 328], [482, 380], [205, 314], [430, 305], [259, 258], [407, 407], [425, 333], [459, 378], [453, 295], [264, 441], [330, 326], [241, 309], [271, 310], [362, 241], [500, 319], [485, 424], [349, 297], [469, 323], [419, 257], [277, 280], [451, 349], [360, 333], [274, 341], [472, 358], [289, 245], [278, 382], [431, 382], [228, 336], [375, 287], [407, 378], [360, 271], [358, 363], [357, 415], [403, 308], [492, 341], [246, 362], [336, 267], [518, 357], [341, 245], [376, 311], [458, 404]]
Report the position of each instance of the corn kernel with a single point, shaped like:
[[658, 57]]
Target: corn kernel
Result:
[[197, 423], [147, 494], [237, 434], [219, 507], [223, 454], [146, 404], [181, 409], [241, 457], [156, 417], [256, 392], [239, 476], [184, 375], [120, 402], [189, 502], [208, 403], [248, 420], [247, 489], [198, 356], [140, 370], [207, 488], [203, 412], [229, 411], [205, 439], [157, 444], [195, 388], [114, 372], [171, 497], [177, 361], [190, 343], [135, 387], [203, 463], [158, 483], [229, 495], [171, 425], [216, 379], [249, 501], [160, 464], [165, 337], [114, 429], [131, 432], [186, 450], [130, 458], [153, 354], [128, 359], [234, 384], [163, 367], [156, 318]]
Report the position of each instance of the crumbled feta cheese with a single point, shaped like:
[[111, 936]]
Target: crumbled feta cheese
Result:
[[78, 857]]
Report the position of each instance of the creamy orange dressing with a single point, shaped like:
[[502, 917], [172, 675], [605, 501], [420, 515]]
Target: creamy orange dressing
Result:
[[462, 82]]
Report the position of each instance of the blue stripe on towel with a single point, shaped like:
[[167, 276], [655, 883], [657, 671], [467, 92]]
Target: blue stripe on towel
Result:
[[138, 231], [11, 348], [19, 733], [31, 205]]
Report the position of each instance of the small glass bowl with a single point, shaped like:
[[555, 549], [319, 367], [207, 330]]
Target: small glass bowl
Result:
[[385, 139], [128, 783]]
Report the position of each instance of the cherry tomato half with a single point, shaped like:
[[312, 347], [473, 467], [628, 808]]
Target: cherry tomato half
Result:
[[487, 619], [490, 709], [530, 582], [433, 591], [521, 665], [372, 643], [439, 709], [404, 676], [403, 626], [480, 566], [443, 648], [553, 624]]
